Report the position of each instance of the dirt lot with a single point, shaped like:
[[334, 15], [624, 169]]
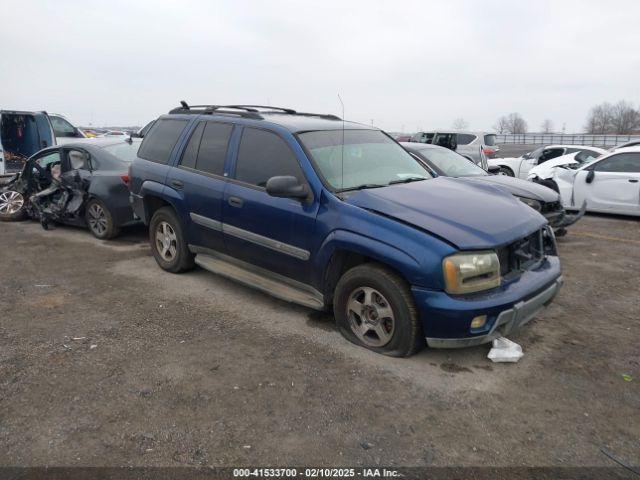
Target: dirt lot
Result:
[[107, 360]]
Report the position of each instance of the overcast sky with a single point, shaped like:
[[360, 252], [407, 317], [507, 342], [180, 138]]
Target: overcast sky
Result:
[[403, 65]]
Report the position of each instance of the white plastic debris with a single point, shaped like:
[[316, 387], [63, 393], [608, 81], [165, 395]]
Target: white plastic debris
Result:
[[504, 350]]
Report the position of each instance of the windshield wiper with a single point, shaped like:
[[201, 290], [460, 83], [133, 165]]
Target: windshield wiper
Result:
[[363, 186], [406, 180]]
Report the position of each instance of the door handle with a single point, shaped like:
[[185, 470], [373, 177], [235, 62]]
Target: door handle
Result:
[[633, 180], [236, 202], [177, 184]]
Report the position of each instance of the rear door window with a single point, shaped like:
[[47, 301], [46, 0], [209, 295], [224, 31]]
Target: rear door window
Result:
[[190, 153], [263, 155], [550, 153], [159, 142], [213, 148]]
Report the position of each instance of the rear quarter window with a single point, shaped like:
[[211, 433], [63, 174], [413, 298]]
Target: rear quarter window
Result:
[[159, 142], [465, 138], [490, 140]]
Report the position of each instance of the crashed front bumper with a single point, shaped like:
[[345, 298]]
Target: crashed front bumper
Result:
[[446, 319]]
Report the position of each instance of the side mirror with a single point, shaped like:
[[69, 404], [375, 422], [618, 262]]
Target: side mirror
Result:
[[590, 176], [493, 169], [287, 186]]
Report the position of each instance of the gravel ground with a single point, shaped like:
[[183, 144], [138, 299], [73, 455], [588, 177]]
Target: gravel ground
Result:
[[106, 360]]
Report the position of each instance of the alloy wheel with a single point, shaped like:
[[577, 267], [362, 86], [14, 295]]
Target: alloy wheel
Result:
[[166, 241], [370, 316], [97, 218], [11, 202]]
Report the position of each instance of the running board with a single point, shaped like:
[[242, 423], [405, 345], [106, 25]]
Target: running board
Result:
[[274, 284]]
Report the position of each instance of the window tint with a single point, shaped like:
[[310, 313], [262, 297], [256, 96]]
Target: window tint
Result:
[[623, 163], [263, 155], [162, 137], [490, 140], [191, 152], [62, 128], [213, 147], [465, 138]]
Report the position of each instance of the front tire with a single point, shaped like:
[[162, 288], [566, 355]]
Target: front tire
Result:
[[374, 308], [506, 171], [168, 243], [99, 220], [13, 206]]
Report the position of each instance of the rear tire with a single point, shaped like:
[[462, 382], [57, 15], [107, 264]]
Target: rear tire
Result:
[[168, 243], [99, 220], [506, 171], [374, 308], [13, 206]]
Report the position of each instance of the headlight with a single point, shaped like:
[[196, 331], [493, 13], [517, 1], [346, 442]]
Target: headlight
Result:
[[471, 272], [535, 204]]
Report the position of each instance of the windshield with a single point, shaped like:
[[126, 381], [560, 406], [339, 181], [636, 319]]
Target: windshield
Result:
[[124, 151], [369, 159], [450, 163]]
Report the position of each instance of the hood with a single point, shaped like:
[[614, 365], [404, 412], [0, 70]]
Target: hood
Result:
[[519, 187], [468, 214], [546, 169]]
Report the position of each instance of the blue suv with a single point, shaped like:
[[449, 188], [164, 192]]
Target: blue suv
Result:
[[333, 214]]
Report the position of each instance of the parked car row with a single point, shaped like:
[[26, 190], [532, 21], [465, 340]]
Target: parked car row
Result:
[[588, 178], [408, 244]]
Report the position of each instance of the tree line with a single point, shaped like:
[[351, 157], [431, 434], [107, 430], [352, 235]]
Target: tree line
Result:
[[621, 118]]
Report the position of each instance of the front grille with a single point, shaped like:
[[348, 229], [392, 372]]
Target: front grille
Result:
[[526, 253]]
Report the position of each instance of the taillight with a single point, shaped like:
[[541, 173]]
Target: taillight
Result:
[[488, 151], [125, 179]]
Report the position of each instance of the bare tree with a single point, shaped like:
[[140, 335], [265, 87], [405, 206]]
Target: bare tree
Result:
[[460, 124], [547, 126], [600, 119], [624, 118], [501, 125], [512, 123]]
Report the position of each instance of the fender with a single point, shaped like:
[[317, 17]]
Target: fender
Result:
[[172, 197], [408, 266]]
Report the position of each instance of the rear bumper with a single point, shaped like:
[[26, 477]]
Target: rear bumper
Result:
[[446, 319]]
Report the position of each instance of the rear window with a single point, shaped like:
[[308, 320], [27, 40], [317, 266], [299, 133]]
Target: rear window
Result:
[[465, 138], [124, 151], [161, 139], [490, 140]]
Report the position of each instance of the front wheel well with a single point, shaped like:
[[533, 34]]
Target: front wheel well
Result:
[[342, 261]]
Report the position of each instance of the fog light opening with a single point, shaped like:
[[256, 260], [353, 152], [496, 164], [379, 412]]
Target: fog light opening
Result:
[[478, 322]]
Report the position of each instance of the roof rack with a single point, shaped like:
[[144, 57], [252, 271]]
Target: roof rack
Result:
[[246, 111]]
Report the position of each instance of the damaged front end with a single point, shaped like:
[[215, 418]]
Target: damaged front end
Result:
[[53, 199]]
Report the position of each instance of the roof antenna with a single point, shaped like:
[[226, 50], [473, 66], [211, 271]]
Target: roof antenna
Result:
[[342, 150], [184, 104]]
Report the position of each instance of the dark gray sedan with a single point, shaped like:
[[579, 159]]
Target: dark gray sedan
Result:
[[83, 183], [444, 162]]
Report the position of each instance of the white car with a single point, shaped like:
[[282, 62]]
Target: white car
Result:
[[519, 167], [573, 160], [609, 184]]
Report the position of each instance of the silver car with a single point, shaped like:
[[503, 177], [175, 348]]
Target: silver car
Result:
[[476, 146]]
